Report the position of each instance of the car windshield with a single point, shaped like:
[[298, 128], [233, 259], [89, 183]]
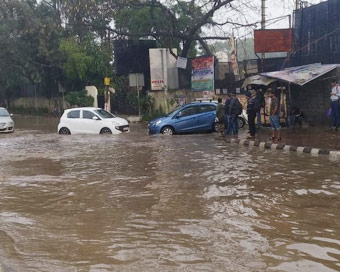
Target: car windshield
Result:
[[104, 114], [4, 113]]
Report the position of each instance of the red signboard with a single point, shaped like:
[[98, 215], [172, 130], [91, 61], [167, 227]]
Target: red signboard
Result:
[[273, 40]]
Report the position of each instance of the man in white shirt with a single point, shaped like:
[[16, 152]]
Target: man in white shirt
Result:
[[335, 94]]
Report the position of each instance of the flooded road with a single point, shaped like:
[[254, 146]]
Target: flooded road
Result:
[[184, 203]]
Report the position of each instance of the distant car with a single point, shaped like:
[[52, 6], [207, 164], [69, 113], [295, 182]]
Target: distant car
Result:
[[91, 120], [192, 117], [6, 121]]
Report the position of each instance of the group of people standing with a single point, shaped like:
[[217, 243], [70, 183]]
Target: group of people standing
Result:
[[228, 114]]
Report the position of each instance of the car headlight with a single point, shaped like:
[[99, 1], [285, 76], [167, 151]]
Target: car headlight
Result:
[[2, 124], [157, 122]]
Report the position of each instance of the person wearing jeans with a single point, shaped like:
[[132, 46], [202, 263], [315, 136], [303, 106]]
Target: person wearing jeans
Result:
[[275, 118], [232, 116], [335, 94]]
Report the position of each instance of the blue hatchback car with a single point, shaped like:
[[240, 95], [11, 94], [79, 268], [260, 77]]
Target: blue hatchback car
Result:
[[192, 117]]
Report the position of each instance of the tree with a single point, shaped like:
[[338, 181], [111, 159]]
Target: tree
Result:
[[180, 23], [177, 23], [29, 43]]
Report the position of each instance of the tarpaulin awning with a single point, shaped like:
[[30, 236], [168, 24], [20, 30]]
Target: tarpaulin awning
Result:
[[257, 80], [301, 75]]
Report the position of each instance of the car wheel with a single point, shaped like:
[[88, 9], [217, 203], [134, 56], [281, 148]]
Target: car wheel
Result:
[[168, 131], [106, 131], [64, 131], [241, 122], [216, 127]]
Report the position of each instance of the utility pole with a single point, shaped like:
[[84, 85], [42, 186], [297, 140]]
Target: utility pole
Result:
[[263, 26], [107, 104], [263, 14]]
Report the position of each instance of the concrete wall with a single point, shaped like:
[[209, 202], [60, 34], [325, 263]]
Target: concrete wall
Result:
[[173, 98], [40, 103], [180, 97]]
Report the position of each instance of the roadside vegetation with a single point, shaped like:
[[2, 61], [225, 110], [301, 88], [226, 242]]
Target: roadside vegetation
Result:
[[64, 44]]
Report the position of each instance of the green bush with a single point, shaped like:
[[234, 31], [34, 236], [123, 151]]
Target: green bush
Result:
[[80, 99]]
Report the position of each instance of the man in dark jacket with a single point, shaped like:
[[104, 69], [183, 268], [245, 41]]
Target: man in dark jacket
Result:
[[233, 110], [251, 114], [258, 105], [220, 115], [226, 113]]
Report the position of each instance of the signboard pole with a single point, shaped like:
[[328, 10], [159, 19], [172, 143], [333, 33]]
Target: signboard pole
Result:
[[137, 83], [63, 100]]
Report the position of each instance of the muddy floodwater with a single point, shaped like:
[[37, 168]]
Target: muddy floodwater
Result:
[[133, 202]]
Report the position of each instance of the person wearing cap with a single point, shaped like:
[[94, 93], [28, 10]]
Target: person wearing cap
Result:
[[251, 114]]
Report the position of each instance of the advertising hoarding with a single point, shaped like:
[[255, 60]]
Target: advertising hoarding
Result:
[[202, 75], [273, 40]]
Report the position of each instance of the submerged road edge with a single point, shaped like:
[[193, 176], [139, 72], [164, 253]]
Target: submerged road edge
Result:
[[284, 147]]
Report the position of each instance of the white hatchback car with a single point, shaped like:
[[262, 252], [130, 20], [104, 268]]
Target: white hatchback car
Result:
[[6, 121], [91, 120]]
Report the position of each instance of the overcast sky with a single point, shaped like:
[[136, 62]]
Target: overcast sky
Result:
[[250, 12], [277, 8]]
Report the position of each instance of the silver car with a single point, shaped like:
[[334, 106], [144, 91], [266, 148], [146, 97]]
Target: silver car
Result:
[[6, 121]]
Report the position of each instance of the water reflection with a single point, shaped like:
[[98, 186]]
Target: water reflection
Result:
[[184, 203]]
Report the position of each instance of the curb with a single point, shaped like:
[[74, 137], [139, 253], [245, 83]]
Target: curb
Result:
[[286, 148]]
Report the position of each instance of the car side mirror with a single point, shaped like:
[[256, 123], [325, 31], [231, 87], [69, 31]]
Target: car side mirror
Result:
[[11, 115], [95, 118]]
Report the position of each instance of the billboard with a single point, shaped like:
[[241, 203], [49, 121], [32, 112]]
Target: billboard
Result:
[[273, 40], [202, 74], [163, 69], [234, 63], [301, 75]]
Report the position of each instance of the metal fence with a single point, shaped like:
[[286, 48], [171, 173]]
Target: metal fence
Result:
[[317, 34]]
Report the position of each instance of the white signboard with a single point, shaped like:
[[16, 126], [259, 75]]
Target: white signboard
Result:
[[182, 62], [136, 80], [163, 69]]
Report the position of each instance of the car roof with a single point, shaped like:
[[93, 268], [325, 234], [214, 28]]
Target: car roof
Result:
[[205, 100], [200, 103], [84, 108]]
